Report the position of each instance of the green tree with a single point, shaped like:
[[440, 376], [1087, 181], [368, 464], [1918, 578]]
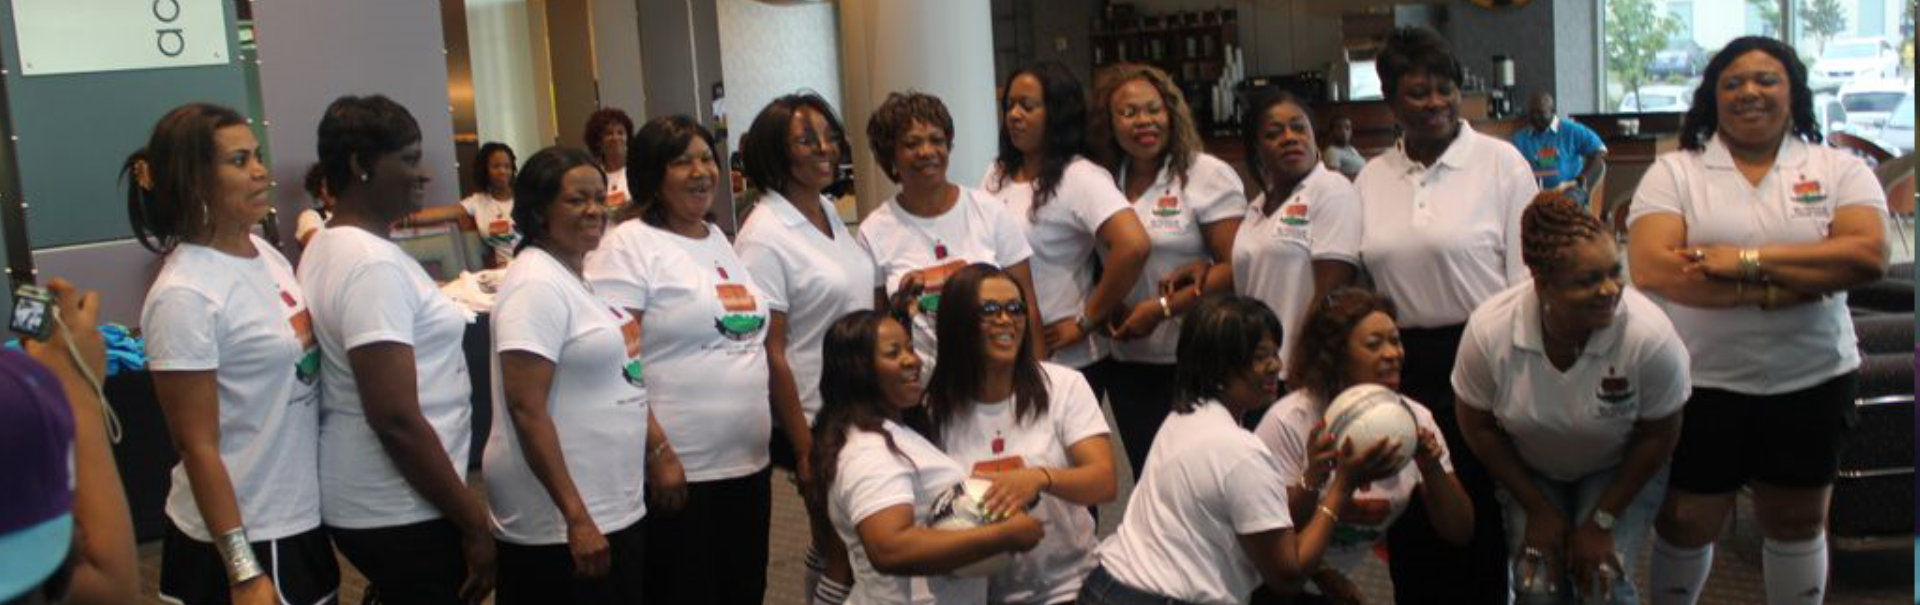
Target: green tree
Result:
[[1821, 19], [1768, 12], [1636, 30]]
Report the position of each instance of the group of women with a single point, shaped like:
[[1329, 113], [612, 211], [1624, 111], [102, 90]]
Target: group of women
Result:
[[651, 371]]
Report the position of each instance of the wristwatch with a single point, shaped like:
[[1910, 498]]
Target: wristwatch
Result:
[[1602, 519]]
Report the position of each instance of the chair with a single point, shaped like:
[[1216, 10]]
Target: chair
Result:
[[1896, 176], [1868, 150]]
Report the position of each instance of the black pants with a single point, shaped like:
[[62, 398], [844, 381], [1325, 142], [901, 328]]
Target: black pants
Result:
[[544, 573], [1142, 396], [714, 549], [1426, 569], [301, 567], [419, 563]]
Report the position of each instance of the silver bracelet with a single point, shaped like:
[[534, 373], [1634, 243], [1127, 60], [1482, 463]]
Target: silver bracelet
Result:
[[238, 556]]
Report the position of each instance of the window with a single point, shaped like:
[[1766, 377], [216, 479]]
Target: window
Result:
[[1859, 54]]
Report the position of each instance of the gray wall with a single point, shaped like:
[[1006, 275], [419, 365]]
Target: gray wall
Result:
[[74, 131], [314, 52], [680, 55]]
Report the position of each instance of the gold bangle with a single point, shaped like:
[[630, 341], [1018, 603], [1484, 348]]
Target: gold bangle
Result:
[[1166, 310], [1749, 263], [1330, 514]]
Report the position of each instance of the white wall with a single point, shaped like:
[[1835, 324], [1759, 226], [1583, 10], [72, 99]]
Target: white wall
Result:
[[507, 102], [767, 51]]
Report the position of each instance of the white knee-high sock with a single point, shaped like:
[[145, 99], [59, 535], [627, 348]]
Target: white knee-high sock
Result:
[[1796, 572], [1677, 573], [816, 567], [830, 592]]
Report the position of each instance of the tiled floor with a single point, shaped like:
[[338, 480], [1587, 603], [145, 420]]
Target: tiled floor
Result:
[[1883, 578]]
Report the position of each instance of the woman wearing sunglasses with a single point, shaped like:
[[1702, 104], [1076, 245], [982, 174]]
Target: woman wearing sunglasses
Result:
[[1033, 428]]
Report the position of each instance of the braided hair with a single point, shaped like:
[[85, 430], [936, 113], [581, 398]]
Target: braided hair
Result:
[[1549, 229]]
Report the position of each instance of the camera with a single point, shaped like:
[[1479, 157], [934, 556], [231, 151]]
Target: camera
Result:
[[32, 312]]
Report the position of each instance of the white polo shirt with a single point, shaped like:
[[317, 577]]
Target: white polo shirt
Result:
[[1273, 255], [597, 402], [1440, 239], [1206, 483], [810, 277], [245, 320], [1285, 429], [362, 290], [1747, 349], [991, 436], [703, 339], [977, 229], [1568, 424], [1063, 234], [871, 477], [1175, 214]]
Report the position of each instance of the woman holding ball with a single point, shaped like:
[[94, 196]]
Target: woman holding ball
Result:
[[1349, 338]]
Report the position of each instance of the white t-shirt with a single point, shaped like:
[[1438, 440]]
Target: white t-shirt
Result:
[[597, 402], [1285, 428], [1175, 216], [245, 320], [811, 278], [1747, 349], [1569, 424], [309, 222], [977, 229], [1063, 235], [1440, 239], [869, 478], [1273, 254], [617, 193], [494, 218], [703, 334], [1206, 482], [365, 290], [989, 437]]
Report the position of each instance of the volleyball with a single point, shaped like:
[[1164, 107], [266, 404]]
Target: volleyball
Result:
[[960, 509], [1369, 413]]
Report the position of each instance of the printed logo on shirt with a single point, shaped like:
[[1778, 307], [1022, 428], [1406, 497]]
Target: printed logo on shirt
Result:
[[1808, 191], [616, 198], [1167, 206], [998, 465], [933, 280], [630, 332], [740, 322], [1615, 395], [500, 233], [1547, 156], [307, 369], [1809, 201], [1360, 523], [1294, 215]]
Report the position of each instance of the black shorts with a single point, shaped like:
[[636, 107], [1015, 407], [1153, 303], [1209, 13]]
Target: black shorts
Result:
[[301, 566], [1789, 440], [544, 573]]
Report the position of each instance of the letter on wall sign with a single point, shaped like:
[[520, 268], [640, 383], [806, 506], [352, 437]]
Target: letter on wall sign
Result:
[[119, 35]]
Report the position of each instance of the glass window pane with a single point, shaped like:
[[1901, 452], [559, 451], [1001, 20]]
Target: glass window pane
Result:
[[1859, 56], [1655, 49]]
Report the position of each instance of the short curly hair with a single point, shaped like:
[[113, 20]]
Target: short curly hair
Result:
[[895, 116], [597, 125]]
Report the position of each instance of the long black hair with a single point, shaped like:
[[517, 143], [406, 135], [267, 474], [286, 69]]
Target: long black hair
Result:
[[1217, 341], [1703, 118], [171, 204], [960, 376], [849, 394], [764, 151], [538, 187], [1066, 129]]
